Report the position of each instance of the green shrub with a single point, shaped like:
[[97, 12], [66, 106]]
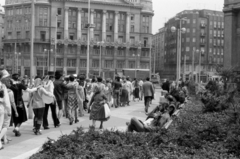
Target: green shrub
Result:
[[194, 135]]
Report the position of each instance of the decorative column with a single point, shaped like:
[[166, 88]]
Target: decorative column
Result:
[[115, 57], [65, 59], [92, 22], [66, 23], [128, 27], [126, 57], [78, 59], [139, 51], [104, 25], [116, 26], [79, 23]]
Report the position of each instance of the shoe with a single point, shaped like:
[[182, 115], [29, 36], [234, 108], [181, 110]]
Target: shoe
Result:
[[37, 132], [46, 127], [14, 130], [76, 121], [1, 148], [17, 134], [56, 126], [71, 122]]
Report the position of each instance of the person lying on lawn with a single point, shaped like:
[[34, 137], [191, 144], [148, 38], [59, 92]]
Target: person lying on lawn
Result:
[[156, 122]]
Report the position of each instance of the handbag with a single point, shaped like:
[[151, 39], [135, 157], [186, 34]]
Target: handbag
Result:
[[106, 110]]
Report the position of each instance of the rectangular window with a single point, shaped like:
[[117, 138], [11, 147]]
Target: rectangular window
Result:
[[95, 63], [27, 34], [132, 40], [132, 64], [43, 35], [59, 11], [132, 17], [120, 39], [43, 16], [9, 35], [59, 35], [120, 64], [59, 23], [59, 62], [108, 64], [132, 28], [97, 37], [187, 49], [96, 51], [71, 62], [194, 40], [120, 52], [18, 35], [109, 38], [83, 63], [71, 36]]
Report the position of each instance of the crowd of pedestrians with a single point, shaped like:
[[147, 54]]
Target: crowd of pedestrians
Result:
[[67, 96]]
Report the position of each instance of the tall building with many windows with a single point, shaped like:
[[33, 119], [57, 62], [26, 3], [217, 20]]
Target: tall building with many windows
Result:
[[202, 43], [232, 32], [158, 51], [121, 36]]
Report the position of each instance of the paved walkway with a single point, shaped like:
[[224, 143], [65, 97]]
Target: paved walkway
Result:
[[28, 144]]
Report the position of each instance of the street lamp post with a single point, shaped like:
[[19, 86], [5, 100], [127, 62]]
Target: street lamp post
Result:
[[180, 30], [17, 54], [193, 63], [100, 57], [48, 52], [200, 61], [136, 63]]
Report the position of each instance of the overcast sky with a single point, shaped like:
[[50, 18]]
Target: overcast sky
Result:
[[165, 9]]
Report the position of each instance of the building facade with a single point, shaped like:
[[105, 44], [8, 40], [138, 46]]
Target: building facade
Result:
[[232, 32], [158, 51], [1, 35], [120, 39], [202, 43]]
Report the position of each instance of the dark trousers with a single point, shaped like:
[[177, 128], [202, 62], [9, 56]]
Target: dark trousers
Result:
[[38, 117], [54, 115], [136, 125], [147, 101]]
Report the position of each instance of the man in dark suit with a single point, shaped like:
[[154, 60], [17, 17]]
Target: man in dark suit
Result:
[[148, 92], [59, 88]]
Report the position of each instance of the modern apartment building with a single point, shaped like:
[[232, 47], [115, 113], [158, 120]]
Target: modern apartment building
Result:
[[232, 32], [202, 43], [158, 51], [120, 39]]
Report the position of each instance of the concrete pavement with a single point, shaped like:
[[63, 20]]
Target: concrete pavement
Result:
[[28, 144]]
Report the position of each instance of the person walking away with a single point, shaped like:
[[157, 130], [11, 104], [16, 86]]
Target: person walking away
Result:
[[59, 88], [72, 101], [141, 90], [124, 97], [108, 91], [116, 91], [136, 90], [97, 103], [129, 89], [65, 97], [36, 102], [148, 92], [18, 89], [5, 108], [49, 87], [81, 99]]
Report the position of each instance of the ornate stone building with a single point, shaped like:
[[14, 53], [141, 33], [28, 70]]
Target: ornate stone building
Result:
[[1, 35], [122, 33], [232, 33]]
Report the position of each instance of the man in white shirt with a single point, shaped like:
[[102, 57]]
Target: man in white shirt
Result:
[[141, 90], [5, 106], [129, 89]]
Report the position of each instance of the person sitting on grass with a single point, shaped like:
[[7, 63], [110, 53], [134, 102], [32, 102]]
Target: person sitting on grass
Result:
[[156, 122]]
